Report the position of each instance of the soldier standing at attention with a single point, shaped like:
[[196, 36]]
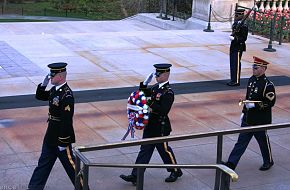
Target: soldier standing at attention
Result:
[[262, 91], [238, 46], [162, 98], [60, 132]]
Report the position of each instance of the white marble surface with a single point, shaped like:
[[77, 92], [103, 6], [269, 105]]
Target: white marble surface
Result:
[[103, 54]]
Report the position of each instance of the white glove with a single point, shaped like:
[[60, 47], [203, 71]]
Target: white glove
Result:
[[241, 118], [231, 37], [148, 79], [250, 105], [46, 80], [60, 148]]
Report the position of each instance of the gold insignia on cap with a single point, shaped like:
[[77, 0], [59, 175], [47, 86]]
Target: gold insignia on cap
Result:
[[67, 108], [270, 95]]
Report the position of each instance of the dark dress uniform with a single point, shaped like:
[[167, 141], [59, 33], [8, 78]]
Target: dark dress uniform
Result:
[[158, 125], [258, 89], [237, 47], [60, 133], [162, 98]]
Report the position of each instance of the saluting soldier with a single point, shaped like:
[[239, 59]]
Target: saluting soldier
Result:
[[162, 98], [60, 132], [260, 99], [238, 46]]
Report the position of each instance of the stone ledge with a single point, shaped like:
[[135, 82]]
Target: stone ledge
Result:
[[179, 24]]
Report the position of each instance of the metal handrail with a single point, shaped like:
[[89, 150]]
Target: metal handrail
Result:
[[180, 137], [233, 175], [219, 180]]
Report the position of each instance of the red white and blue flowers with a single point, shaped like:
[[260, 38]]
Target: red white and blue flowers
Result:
[[137, 112]]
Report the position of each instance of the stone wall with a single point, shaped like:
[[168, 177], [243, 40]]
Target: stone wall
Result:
[[222, 9]]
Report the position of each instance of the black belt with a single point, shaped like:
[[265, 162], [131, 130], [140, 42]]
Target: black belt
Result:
[[53, 118]]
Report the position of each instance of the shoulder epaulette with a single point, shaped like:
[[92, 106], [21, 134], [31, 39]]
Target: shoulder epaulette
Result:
[[167, 89], [67, 92]]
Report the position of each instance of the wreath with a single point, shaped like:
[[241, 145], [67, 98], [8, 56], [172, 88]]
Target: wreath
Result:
[[137, 112]]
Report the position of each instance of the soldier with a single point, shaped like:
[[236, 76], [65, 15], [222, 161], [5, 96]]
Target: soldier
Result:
[[238, 46], [261, 92], [60, 132], [162, 98]]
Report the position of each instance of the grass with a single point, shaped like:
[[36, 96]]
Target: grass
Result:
[[103, 10], [22, 20]]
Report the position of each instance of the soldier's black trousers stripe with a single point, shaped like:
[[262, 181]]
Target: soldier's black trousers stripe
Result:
[[48, 156], [235, 66], [146, 152]]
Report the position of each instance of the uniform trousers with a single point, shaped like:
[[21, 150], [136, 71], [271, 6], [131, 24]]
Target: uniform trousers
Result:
[[235, 66], [49, 154], [146, 151], [243, 141]]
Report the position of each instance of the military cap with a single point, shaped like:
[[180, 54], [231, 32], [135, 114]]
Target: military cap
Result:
[[240, 11], [260, 62], [162, 68], [57, 68]]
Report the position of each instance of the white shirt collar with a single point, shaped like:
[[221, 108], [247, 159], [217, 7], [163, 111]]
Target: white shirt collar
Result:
[[59, 86], [161, 84]]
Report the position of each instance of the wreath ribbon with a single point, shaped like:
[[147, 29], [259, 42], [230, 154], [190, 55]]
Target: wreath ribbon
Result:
[[130, 129]]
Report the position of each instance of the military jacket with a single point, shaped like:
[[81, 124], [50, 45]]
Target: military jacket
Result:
[[60, 130], [260, 89], [160, 104], [239, 42]]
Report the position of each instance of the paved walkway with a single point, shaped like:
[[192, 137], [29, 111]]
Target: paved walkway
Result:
[[118, 54]]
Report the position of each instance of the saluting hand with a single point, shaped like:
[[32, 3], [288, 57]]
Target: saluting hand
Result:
[[148, 79], [46, 80]]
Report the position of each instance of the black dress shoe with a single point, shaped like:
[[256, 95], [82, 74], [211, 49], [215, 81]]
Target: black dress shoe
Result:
[[129, 178], [173, 176], [266, 166], [233, 84]]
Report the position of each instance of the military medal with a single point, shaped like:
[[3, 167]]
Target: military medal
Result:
[[55, 101], [158, 96]]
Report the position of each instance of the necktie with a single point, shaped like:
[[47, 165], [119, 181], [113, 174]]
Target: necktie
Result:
[[53, 89]]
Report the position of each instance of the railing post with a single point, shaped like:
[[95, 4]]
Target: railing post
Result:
[[269, 48], [225, 182], [86, 178], [166, 11], [161, 9], [254, 22], [281, 29], [174, 9], [208, 29], [77, 174], [218, 173], [140, 178]]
